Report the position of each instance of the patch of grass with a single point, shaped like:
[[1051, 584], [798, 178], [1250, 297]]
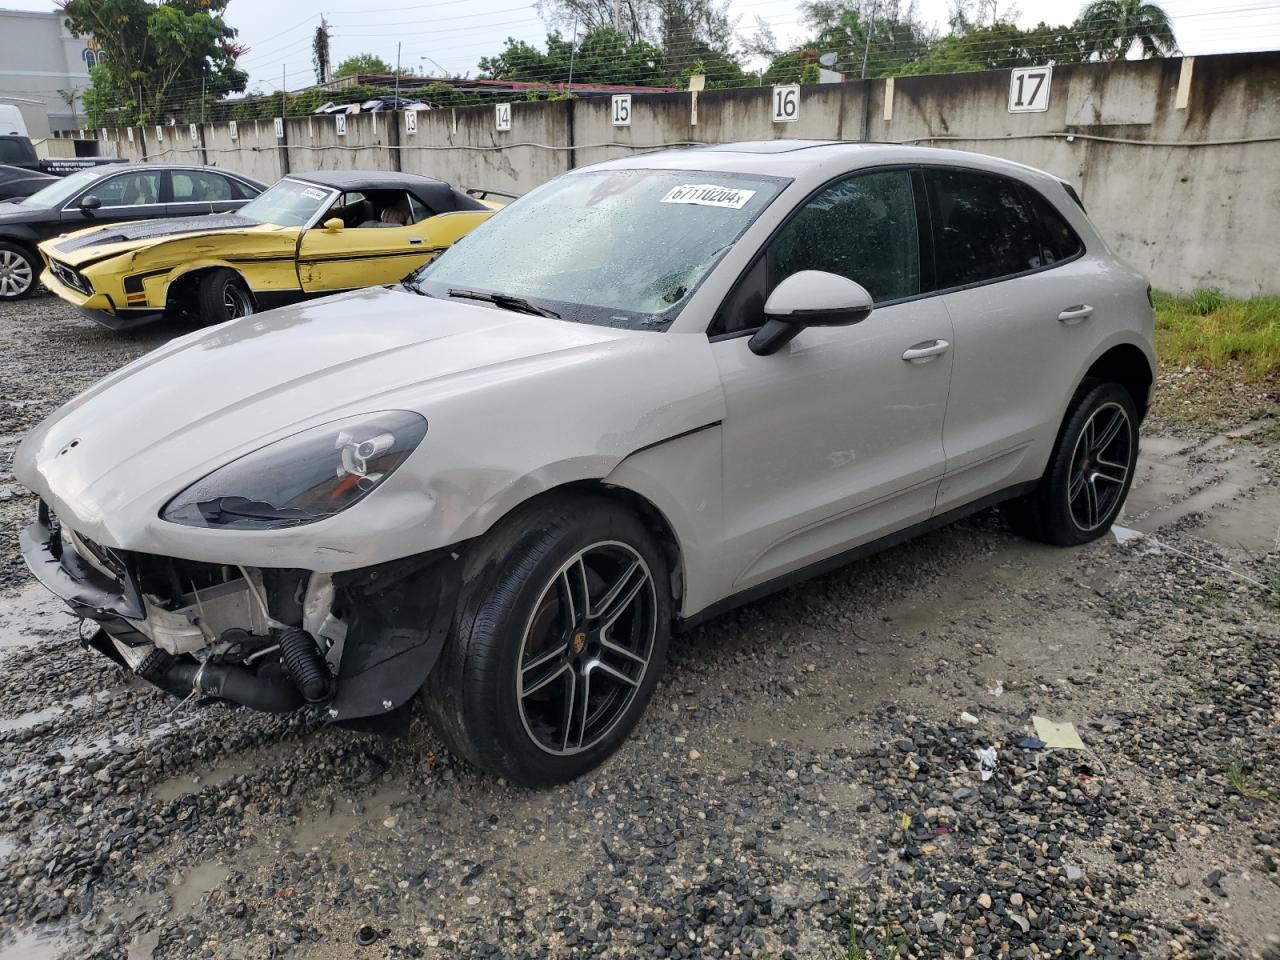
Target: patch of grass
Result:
[[854, 950], [1240, 778], [1208, 330]]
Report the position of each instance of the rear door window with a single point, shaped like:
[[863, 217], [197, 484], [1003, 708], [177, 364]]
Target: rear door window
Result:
[[197, 186], [982, 228]]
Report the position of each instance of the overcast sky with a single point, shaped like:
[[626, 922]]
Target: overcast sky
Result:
[[454, 34]]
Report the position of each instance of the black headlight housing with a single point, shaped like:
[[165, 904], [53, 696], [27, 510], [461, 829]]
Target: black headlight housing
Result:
[[303, 478]]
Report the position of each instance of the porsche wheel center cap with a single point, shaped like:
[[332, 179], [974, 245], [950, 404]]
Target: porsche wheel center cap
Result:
[[578, 643]]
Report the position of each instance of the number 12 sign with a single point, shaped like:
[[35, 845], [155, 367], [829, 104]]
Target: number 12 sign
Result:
[[1029, 89]]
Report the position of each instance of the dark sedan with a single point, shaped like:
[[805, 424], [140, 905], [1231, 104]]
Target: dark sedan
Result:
[[108, 194]]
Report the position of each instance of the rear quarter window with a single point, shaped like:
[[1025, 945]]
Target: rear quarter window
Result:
[[1060, 242]]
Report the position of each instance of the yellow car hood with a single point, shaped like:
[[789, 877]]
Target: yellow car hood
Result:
[[113, 239]]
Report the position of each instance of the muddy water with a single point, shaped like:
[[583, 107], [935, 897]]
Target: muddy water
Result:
[[30, 615], [1216, 485]]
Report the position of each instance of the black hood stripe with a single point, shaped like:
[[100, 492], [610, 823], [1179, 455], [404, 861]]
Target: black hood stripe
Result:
[[155, 229]]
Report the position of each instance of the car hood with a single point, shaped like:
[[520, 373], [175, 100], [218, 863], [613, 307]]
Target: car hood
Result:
[[114, 239], [13, 212], [128, 444]]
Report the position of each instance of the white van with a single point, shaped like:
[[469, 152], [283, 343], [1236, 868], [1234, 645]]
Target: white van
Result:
[[11, 122]]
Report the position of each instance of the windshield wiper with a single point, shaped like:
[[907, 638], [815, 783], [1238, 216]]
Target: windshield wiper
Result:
[[504, 300]]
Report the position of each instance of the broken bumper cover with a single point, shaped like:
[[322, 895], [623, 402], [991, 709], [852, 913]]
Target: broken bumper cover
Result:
[[399, 615], [99, 307], [63, 572]]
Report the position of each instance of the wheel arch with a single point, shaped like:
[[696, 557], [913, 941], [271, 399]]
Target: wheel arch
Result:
[[183, 279], [654, 519], [1128, 365]]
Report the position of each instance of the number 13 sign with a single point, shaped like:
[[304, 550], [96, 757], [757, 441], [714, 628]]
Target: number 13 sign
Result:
[[1029, 89]]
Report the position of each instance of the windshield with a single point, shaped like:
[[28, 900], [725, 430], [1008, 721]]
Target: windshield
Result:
[[58, 192], [615, 247], [288, 204]]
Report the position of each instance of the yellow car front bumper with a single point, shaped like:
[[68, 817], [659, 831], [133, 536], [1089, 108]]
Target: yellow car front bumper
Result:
[[98, 307]]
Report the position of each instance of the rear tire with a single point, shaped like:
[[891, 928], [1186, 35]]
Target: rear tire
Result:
[[222, 296], [1089, 473], [19, 272], [559, 640]]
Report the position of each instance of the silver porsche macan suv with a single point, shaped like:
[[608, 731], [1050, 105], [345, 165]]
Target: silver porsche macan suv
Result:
[[645, 392]]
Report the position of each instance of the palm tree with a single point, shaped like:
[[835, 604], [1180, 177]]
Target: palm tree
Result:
[[1112, 27]]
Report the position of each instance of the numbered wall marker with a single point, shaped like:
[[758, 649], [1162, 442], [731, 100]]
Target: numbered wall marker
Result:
[[195, 134], [279, 128], [340, 124], [234, 129], [411, 121], [1029, 89], [786, 103], [129, 131], [159, 133], [502, 116], [622, 110]]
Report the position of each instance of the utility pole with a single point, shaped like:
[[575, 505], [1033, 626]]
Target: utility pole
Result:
[[397, 76], [284, 93], [573, 48], [867, 46], [204, 73], [617, 15]]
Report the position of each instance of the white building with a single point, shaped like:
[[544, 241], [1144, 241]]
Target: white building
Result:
[[44, 69]]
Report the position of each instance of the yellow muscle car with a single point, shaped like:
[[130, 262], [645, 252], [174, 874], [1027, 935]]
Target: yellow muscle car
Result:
[[311, 233]]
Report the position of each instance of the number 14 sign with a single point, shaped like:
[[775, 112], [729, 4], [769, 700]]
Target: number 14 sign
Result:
[[1029, 89]]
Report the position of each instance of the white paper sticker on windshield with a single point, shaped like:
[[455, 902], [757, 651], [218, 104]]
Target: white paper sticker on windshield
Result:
[[313, 193], [709, 195]]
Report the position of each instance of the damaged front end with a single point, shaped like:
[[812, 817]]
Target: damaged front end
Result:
[[357, 644]]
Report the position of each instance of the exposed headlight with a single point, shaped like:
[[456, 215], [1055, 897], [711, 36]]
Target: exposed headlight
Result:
[[303, 478]]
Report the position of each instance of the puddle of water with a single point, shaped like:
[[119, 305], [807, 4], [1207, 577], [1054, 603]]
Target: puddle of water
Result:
[[32, 615], [198, 881], [25, 721], [226, 768], [317, 831], [144, 946], [35, 945], [1169, 467], [82, 749]]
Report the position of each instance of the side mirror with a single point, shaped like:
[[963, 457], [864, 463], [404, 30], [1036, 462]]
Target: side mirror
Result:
[[334, 225], [89, 203], [810, 298]]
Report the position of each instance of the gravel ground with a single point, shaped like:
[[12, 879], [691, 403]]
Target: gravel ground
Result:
[[807, 768]]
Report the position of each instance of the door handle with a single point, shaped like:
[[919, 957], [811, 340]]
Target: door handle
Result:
[[415, 239], [1073, 315], [926, 351]]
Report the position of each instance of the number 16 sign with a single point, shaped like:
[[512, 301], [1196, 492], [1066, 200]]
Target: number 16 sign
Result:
[[1029, 89]]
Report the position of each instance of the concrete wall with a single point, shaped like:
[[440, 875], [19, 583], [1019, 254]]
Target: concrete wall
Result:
[[1178, 161]]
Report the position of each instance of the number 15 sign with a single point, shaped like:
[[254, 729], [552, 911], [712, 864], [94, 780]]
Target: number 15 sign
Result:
[[1029, 89]]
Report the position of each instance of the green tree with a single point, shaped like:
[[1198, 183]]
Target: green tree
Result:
[[1113, 27], [363, 64], [320, 51], [158, 59]]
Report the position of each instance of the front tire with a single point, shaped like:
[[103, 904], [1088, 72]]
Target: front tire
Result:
[[1089, 473], [19, 272], [560, 638], [223, 296]]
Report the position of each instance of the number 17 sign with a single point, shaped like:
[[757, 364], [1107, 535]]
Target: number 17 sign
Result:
[[1029, 89]]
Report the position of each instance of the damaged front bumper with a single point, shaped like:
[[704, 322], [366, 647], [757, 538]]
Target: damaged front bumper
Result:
[[358, 644]]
